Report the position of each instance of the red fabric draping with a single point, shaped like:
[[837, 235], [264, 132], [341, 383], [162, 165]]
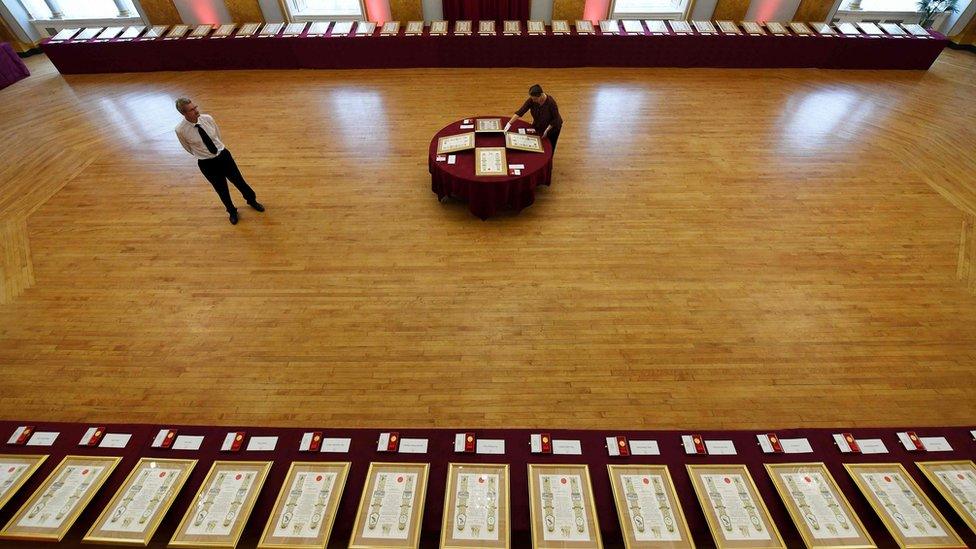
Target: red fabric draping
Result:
[[486, 196], [12, 68], [496, 51], [477, 10], [441, 453]]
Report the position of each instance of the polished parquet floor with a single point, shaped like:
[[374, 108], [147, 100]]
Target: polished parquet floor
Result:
[[719, 249]]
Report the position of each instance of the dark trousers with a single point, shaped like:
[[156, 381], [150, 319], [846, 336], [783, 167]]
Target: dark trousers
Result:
[[553, 137], [218, 170]]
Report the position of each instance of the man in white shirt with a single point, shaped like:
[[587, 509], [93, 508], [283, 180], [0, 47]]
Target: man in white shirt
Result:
[[200, 136]]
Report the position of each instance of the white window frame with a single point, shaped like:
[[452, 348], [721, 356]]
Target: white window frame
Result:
[[50, 27], [837, 15], [292, 17], [675, 15]]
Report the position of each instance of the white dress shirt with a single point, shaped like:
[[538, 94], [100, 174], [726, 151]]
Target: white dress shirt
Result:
[[189, 137]]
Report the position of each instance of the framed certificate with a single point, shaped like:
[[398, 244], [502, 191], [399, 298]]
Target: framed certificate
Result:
[[455, 143], [728, 27], [893, 29], [154, 32], [462, 27], [178, 31], [247, 29], [306, 507], [848, 29], [343, 28], [488, 125], [363, 28], [633, 26], [88, 33], [522, 142], [512, 27], [490, 161], [271, 29], [648, 507], [391, 507], [680, 27], [824, 29], [390, 28], [200, 31], [415, 28], [610, 26], [476, 507], [560, 26], [222, 505], [438, 27], [870, 28], [561, 507], [110, 33], [584, 27], [818, 508], [64, 34], [140, 504], [736, 515], [318, 28], [294, 29], [801, 28], [752, 27], [956, 481], [916, 30], [486, 27], [14, 472], [657, 26], [776, 28], [54, 507], [536, 27], [224, 31], [908, 515], [704, 27]]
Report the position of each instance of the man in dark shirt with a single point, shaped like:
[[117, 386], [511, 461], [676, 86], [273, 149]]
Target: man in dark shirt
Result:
[[545, 115]]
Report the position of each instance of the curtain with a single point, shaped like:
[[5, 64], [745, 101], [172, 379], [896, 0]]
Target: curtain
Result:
[[484, 10]]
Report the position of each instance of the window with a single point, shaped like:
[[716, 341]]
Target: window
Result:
[[880, 5], [79, 9], [307, 10], [649, 9]]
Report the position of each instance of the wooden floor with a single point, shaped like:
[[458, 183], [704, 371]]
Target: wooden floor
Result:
[[719, 249]]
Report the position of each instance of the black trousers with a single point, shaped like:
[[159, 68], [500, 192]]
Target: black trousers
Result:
[[553, 137], [218, 170]]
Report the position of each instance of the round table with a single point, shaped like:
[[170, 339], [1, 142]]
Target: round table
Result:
[[487, 195]]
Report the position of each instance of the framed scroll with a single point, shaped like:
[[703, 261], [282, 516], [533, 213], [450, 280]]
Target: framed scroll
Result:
[[476, 507], [610, 26], [391, 507], [633, 26], [488, 125], [294, 29], [490, 161], [560, 26], [462, 28], [89, 33], [657, 26], [536, 27], [648, 507], [821, 513], [908, 515], [247, 30], [438, 27], [221, 507], [55, 506], [823, 29], [224, 31], [956, 481], [177, 32], [110, 33], [455, 143], [736, 515], [561, 507], [64, 34], [486, 27], [777, 28], [728, 27], [704, 27], [801, 28], [848, 29], [584, 27], [154, 32], [271, 29], [894, 30], [916, 30], [680, 27], [363, 28], [14, 472], [870, 28], [306, 507], [753, 28], [140, 504], [414, 28], [521, 142], [512, 27], [390, 28]]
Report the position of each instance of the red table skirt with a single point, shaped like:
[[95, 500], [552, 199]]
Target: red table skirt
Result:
[[496, 51], [12, 68]]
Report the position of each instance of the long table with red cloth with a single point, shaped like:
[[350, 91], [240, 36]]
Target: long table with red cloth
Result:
[[12, 68], [487, 195], [572, 50], [441, 453]]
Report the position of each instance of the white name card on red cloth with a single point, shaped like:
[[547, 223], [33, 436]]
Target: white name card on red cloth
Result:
[[516, 166], [694, 444], [644, 448], [413, 445], [20, 435], [92, 436], [262, 444], [720, 447], [872, 446], [936, 444], [567, 447], [467, 126], [42, 438], [452, 159], [490, 446], [115, 440], [336, 445], [311, 442], [788, 445], [846, 443], [187, 442]]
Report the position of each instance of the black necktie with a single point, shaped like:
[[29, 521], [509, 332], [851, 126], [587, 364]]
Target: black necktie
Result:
[[206, 140]]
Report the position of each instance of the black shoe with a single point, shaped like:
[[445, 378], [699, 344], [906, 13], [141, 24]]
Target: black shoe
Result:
[[233, 218], [256, 205]]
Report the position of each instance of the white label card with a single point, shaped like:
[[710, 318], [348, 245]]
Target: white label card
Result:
[[490, 446], [567, 447], [115, 440], [186, 442], [842, 443], [452, 159], [796, 446], [872, 446], [40, 438], [336, 445], [936, 444], [644, 448], [17, 432], [160, 437], [262, 444], [689, 443], [720, 447], [413, 445], [516, 166], [467, 126]]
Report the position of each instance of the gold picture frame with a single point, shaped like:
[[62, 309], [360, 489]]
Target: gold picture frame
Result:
[[408, 480], [488, 125], [715, 482], [543, 480], [455, 143], [524, 142], [81, 477], [329, 479], [24, 466], [627, 482], [488, 485], [938, 474], [246, 479], [871, 477], [490, 162], [799, 483], [159, 482]]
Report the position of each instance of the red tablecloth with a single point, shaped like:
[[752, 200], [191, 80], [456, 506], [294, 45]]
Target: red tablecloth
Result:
[[549, 50], [487, 195], [12, 68]]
